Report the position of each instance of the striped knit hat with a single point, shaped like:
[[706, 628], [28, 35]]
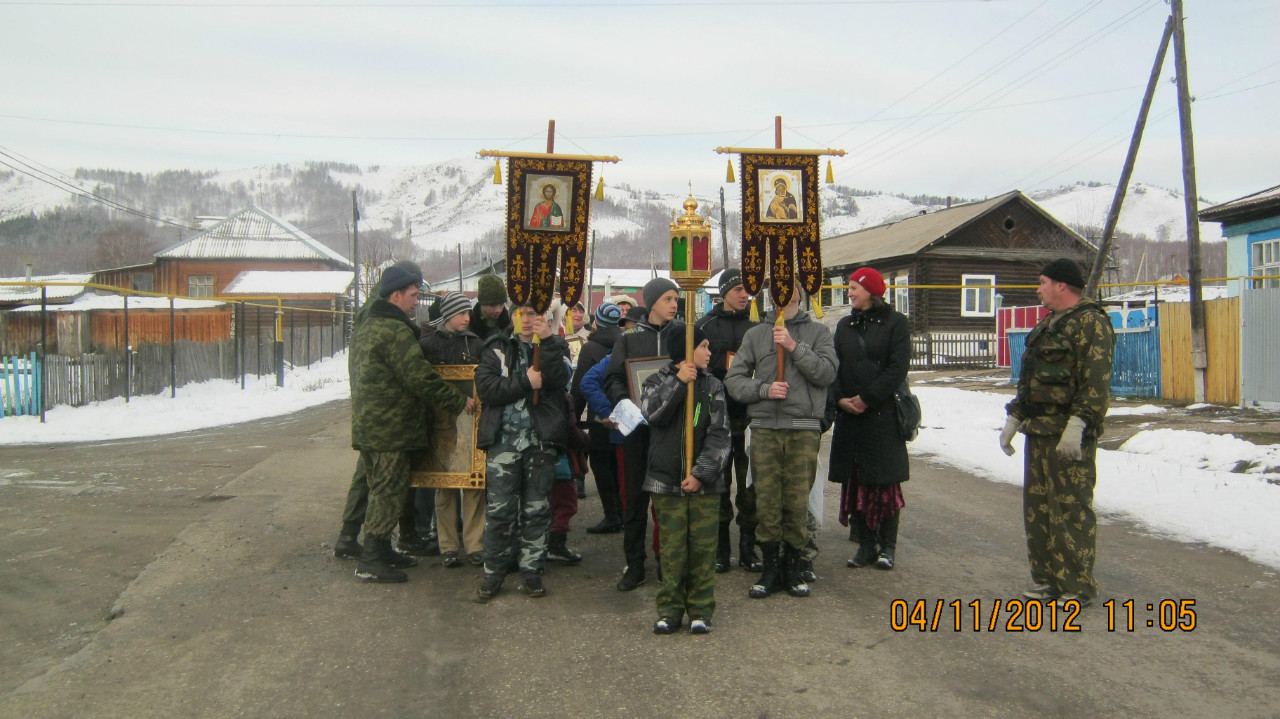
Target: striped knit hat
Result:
[[452, 303]]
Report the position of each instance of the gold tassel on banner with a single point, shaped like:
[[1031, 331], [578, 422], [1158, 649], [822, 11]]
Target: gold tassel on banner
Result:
[[600, 189], [729, 176], [817, 306], [497, 171], [755, 313], [831, 176]]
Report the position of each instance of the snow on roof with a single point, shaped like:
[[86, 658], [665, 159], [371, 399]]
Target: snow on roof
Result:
[[12, 293], [270, 282], [89, 302], [253, 233], [1167, 293], [623, 277]]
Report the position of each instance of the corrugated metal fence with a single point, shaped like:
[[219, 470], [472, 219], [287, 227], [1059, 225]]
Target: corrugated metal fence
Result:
[[1260, 347]]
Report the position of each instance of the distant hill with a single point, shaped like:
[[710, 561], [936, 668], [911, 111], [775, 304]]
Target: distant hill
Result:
[[428, 211]]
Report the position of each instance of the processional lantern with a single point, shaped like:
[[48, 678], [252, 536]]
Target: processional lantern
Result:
[[690, 269]]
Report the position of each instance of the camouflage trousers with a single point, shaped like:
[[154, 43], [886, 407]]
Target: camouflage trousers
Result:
[[1057, 499], [745, 495], [687, 527], [388, 477], [783, 465], [810, 551], [358, 503], [519, 485]]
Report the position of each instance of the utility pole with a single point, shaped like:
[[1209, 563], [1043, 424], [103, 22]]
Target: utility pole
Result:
[[1113, 216], [591, 273], [724, 231], [355, 245], [1199, 351]]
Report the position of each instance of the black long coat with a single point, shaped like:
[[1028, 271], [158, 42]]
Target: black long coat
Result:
[[870, 442]]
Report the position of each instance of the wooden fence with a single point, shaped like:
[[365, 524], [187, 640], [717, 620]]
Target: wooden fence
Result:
[[1222, 342], [20, 385], [953, 350]]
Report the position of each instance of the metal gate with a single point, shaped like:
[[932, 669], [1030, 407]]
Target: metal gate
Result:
[[1259, 347]]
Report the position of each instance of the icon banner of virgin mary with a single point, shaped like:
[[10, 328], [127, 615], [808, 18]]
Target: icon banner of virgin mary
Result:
[[780, 232]]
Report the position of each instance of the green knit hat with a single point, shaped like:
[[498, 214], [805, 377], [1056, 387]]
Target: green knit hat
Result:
[[491, 290]]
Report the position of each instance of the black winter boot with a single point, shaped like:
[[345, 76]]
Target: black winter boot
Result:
[[747, 557], [347, 547], [580, 483], [888, 541], [796, 586], [611, 523], [722, 549], [867, 550], [771, 576], [558, 549], [374, 565]]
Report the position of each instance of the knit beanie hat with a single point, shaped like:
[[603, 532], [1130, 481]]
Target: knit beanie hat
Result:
[[870, 280], [636, 314], [396, 278], [608, 314], [452, 303], [1064, 270], [655, 288], [729, 279], [491, 290], [675, 340]]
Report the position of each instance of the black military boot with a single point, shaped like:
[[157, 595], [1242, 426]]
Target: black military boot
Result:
[[558, 549], [374, 565], [771, 575], [347, 547], [611, 523], [747, 557], [792, 566], [722, 549], [867, 549], [888, 541]]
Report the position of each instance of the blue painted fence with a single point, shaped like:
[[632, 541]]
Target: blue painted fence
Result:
[[20, 385], [1135, 367]]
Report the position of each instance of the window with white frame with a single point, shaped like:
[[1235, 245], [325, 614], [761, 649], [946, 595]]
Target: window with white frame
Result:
[[978, 296], [901, 296], [200, 286], [1266, 261]]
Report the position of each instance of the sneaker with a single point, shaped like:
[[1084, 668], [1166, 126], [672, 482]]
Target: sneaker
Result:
[[560, 552], [347, 547], [1041, 593], [476, 559], [1068, 597], [722, 567], [451, 560], [700, 626], [666, 625], [489, 586], [630, 580], [531, 584], [412, 544]]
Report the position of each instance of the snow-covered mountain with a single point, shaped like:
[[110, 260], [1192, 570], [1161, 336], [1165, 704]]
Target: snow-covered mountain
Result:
[[455, 202]]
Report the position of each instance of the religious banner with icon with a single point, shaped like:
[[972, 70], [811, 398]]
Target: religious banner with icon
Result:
[[780, 233], [548, 205]]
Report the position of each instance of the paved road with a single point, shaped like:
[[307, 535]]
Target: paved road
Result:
[[212, 551]]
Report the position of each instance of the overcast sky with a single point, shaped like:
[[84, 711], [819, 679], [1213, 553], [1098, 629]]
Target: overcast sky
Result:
[[963, 97]]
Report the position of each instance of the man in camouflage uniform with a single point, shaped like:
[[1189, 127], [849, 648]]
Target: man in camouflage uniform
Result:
[[786, 427], [522, 430], [391, 382], [1063, 391]]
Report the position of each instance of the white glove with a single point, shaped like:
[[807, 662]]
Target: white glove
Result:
[[1072, 436], [1008, 433]]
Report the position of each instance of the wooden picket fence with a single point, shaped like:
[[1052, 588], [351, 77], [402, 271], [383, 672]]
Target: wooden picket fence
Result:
[[20, 383], [953, 350]]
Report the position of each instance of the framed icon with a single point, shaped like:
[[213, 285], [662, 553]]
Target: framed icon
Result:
[[638, 370], [453, 462], [548, 202], [777, 196]]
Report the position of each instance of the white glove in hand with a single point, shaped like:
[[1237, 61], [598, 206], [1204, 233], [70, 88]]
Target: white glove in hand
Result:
[[1008, 433], [1072, 437]]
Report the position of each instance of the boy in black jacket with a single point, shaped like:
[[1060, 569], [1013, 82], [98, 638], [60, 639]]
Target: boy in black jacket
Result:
[[687, 503]]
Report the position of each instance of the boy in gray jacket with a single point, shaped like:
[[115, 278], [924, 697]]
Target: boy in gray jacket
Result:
[[786, 427]]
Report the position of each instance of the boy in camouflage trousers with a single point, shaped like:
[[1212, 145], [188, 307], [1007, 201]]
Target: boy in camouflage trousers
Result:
[[523, 431], [1063, 391], [687, 504]]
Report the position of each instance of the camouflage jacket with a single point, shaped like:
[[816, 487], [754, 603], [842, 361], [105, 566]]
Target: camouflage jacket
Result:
[[501, 380], [392, 384], [663, 403], [1066, 371]]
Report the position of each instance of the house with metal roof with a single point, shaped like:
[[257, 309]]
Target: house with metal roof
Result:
[[251, 239], [977, 248], [1251, 225]]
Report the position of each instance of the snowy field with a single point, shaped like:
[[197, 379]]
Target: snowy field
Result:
[[1188, 486]]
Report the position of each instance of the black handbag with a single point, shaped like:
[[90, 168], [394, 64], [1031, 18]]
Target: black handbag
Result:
[[905, 404]]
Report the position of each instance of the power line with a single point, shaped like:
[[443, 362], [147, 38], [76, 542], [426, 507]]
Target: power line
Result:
[[482, 5]]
